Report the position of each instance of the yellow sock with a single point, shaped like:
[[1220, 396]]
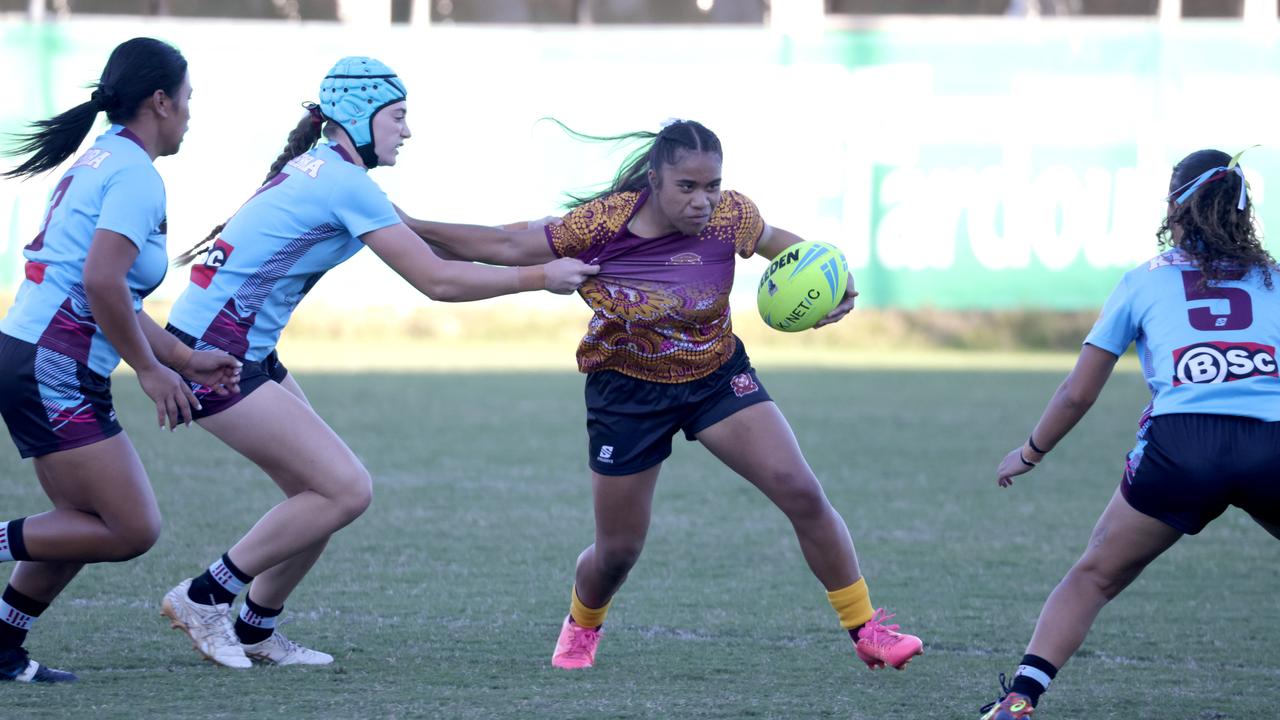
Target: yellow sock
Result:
[[852, 604], [588, 617]]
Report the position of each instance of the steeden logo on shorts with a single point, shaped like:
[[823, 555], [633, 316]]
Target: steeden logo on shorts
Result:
[[1207, 363]]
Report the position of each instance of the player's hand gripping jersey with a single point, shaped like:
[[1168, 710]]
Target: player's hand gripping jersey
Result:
[[1203, 349], [112, 186], [661, 304], [296, 227]]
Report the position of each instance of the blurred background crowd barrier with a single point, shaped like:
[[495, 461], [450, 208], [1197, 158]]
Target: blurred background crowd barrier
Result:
[[967, 155]]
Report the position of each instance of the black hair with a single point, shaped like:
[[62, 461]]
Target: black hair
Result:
[[664, 148], [135, 70], [302, 138], [1219, 237]]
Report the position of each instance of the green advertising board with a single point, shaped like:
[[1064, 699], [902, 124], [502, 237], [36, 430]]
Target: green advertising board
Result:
[[959, 163]]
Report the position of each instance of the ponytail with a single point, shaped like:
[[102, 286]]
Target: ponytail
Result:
[[663, 148], [135, 70], [301, 139], [52, 141]]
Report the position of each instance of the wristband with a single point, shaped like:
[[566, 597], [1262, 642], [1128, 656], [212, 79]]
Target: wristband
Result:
[[1025, 461], [1032, 444], [533, 277]]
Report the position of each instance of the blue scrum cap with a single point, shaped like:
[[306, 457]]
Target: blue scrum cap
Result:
[[353, 91]]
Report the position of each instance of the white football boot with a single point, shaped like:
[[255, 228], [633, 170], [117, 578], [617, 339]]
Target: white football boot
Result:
[[208, 626], [280, 650]]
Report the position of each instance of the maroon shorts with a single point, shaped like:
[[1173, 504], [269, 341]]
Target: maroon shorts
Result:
[[51, 402], [252, 376]]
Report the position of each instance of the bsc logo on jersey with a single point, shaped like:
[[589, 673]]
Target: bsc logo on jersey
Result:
[[1218, 362], [203, 273]]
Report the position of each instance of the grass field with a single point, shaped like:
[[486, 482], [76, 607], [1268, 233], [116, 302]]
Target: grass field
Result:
[[444, 600]]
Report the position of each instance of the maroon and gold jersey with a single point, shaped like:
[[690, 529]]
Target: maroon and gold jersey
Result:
[[661, 304]]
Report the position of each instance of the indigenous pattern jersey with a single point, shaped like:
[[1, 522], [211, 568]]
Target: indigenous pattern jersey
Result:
[[661, 304], [1203, 349], [296, 227], [112, 186]]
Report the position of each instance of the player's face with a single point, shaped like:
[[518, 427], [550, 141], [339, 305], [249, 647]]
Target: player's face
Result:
[[689, 190], [174, 127], [389, 129]]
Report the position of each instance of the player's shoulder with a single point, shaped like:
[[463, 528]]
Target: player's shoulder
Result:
[[606, 215], [734, 205]]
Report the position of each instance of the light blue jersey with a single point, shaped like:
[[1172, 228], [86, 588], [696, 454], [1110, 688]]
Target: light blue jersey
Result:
[[112, 186], [295, 228], [1203, 349]]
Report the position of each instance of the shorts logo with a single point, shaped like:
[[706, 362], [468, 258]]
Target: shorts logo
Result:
[[1218, 362], [742, 384], [606, 454]]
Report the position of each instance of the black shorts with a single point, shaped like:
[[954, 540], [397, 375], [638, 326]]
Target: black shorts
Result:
[[630, 422], [252, 377], [52, 402], [1187, 468]]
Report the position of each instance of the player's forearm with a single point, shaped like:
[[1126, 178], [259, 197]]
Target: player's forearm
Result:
[[112, 306], [1071, 401], [168, 349], [466, 242]]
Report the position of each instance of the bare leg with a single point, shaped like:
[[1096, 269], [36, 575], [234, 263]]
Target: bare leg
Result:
[[103, 507], [623, 504], [1124, 542], [274, 585], [282, 435], [757, 443]]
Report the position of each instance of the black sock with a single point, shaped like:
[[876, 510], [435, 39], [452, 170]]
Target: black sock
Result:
[[1027, 685], [13, 538], [207, 590], [18, 617], [255, 622]]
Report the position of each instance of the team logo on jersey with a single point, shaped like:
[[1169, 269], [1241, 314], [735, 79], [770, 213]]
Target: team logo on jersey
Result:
[[93, 157], [686, 258], [1208, 363], [742, 384], [203, 273]]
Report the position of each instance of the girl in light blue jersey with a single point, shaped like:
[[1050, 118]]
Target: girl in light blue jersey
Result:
[[1206, 320], [316, 208], [99, 252]]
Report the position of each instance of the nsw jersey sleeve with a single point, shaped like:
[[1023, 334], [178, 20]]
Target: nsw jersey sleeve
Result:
[[133, 203], [363, 207], [1117, 326], [587, 227]]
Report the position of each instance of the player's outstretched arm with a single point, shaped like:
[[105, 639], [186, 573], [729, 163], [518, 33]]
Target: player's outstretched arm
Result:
[[774, 240], [450, 281], [516, 244], [1072, 400]]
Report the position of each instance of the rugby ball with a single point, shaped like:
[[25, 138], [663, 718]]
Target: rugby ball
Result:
[[801, 285]]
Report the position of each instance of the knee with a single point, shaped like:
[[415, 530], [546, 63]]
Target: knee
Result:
[[802, 498], [356, 494], [617, 558], [1108, 580], [137, 538]]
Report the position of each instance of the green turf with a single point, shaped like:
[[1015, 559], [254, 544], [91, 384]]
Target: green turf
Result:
[[444, 600]]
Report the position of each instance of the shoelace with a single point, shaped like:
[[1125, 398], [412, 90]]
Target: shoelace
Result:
[[1004, 693], [880, 632], [221, 615], [581, 641]]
